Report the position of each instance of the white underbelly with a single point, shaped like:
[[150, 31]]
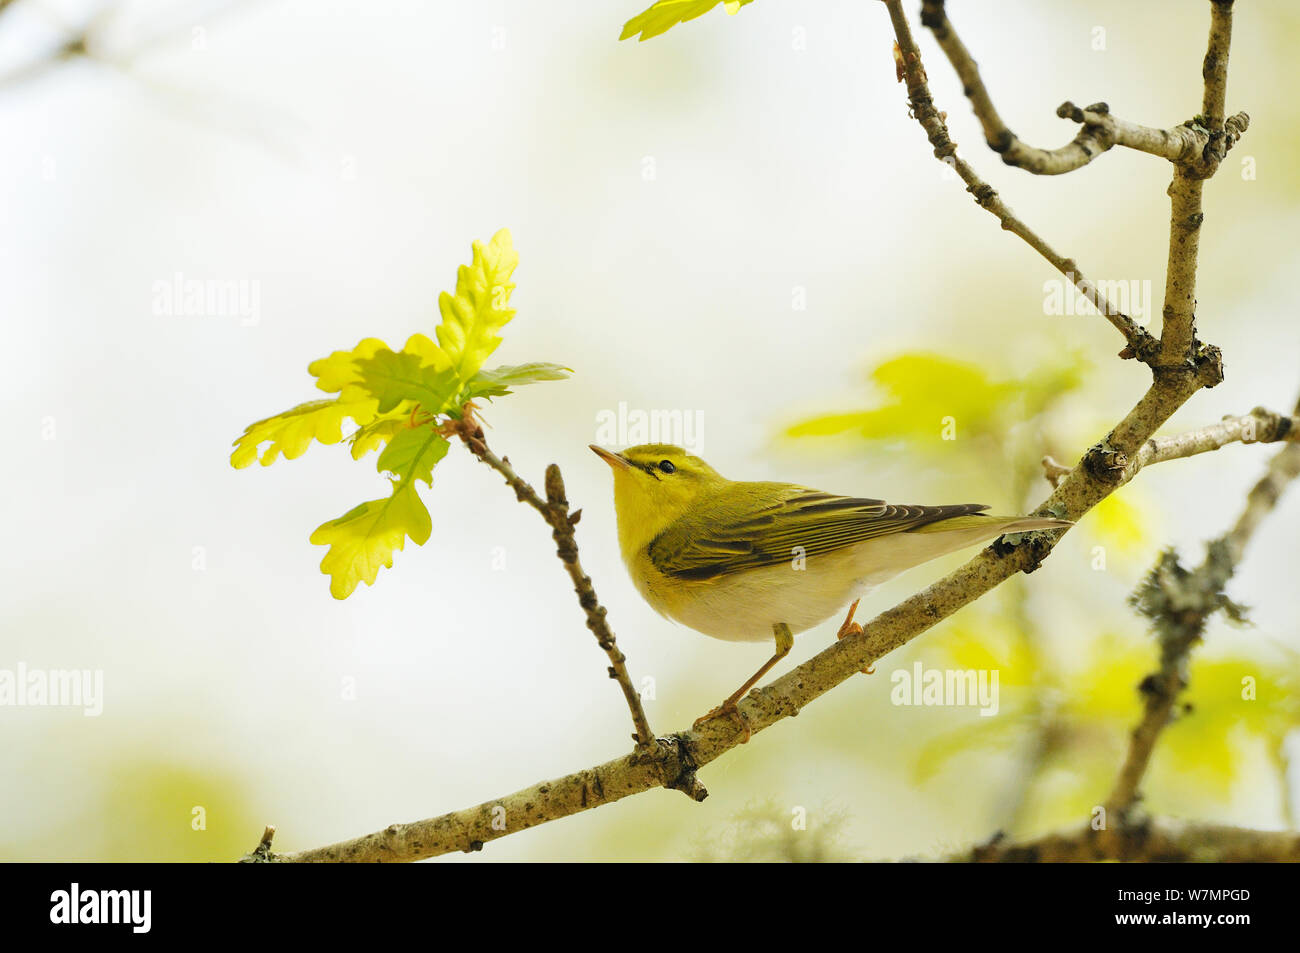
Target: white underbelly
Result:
[[743, 607]]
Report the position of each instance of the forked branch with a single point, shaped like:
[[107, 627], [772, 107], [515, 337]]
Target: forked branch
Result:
[[1187, 143]]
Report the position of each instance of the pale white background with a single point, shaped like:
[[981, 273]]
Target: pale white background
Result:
[[344, 155]]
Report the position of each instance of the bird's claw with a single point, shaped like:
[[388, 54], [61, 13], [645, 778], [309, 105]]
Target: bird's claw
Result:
[[848, 627], [727, 708]]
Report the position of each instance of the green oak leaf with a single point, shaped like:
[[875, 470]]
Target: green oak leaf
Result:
[[363, 540], [666, 14], [413, 453], [480, 308], [498, 381], [395, 376]]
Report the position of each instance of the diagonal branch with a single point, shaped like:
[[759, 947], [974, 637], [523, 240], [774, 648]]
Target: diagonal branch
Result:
[[1179, 602], [555, 510], [1140, 343]]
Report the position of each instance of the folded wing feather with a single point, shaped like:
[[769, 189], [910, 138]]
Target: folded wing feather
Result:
[[776, 521]]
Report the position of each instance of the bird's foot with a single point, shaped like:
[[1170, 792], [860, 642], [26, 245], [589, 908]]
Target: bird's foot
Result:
[[726, 709], [849, 627]]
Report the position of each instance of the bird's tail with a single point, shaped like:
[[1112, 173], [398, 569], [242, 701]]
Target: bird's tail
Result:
[[1023, 524], [993, 525]]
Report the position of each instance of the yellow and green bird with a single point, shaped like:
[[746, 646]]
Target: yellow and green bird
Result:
[[747, 561]]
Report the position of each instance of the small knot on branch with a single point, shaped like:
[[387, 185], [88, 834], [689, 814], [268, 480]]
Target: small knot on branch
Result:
[[1209, 364], [985, 196], [468, 427], [1098, 114], [1233, 128], [1153, 687], [567, 549], [1105, 464], [678, 766], [1142, 344]]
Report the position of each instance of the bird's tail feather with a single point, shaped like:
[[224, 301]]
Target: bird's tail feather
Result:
[[1002, 524]]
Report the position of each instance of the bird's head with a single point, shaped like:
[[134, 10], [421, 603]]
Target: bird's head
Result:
[[654, 484]]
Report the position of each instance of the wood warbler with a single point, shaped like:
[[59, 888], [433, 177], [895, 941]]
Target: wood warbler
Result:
[[748, 561]]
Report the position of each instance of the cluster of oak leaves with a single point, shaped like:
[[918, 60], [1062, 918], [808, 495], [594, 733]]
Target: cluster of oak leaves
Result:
[[400, 402]]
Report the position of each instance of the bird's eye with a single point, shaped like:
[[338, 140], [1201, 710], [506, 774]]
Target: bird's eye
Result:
[[667, 466]]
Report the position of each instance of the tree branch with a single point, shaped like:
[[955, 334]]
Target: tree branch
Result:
[[1179, 603], [1159, 840], [555, 510], [1259, 426], [1214, 69], [1282, 469], [1140, 343], [1101, 131], [1178, 337]]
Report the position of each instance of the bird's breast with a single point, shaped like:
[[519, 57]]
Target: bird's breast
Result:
[[744, 606]]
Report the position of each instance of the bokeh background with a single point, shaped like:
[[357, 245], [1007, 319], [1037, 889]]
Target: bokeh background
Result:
[[736, 220]]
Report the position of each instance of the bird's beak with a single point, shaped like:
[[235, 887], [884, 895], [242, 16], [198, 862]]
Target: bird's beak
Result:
[[615, 460]]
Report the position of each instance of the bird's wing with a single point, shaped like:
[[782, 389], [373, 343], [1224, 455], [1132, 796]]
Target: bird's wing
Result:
[[775, 522]]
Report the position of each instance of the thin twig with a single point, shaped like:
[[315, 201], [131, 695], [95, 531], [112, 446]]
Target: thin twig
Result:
[[1259, 426], [1283, 468], [1101, 131], [1178, 336], [1054, 470], [1214, 69], [555, 510], [1140, 343], [1179, 603], [261, 854], [1179, 330]]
